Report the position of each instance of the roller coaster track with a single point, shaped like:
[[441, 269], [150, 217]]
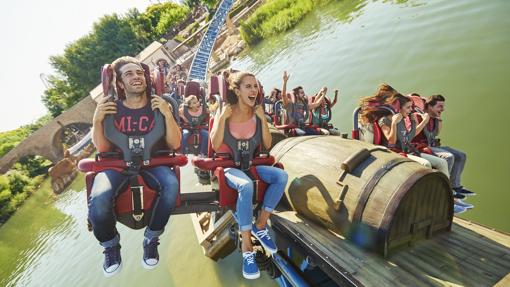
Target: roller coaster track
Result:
[[200, 63]]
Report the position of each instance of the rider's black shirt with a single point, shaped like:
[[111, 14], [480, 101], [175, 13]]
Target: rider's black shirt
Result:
[[134, 122]]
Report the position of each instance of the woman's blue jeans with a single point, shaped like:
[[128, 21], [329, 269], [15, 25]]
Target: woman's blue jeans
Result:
[[238, 180], [107, 186], [204, 137]]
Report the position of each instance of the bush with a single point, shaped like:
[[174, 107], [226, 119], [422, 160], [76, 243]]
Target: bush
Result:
[[4, 183], [5, 197], [33, 165], [17, 181], [274, 17]]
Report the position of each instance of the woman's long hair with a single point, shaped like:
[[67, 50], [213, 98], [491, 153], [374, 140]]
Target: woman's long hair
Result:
[[381, 95], [372, 113], [234, 82]]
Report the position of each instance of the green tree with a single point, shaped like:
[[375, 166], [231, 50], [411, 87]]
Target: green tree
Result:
[[59, 97], [112, 36], [171, 18], [192, 3]]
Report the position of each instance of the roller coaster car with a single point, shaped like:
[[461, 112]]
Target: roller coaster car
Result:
[[134, 203], [373, 133], [194, 123], [218, 87], [161, 89], [244, 155], [281, 119]]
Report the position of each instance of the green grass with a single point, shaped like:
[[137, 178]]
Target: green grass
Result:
[[274, 17]]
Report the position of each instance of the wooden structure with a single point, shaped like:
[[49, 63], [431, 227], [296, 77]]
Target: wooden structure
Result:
[[378, 199], [216, 233], [469, 255]]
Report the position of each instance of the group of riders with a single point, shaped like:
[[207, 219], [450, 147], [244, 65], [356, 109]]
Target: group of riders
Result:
[[236, 121], [410, 125]]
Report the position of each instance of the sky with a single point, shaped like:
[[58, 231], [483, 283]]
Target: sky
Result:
[[32, 32]]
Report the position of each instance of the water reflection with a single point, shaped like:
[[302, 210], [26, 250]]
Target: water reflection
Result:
[[25, 237]]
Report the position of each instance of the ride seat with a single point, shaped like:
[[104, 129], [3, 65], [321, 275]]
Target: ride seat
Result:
[[371, 132], [216, 164], [288, 128], [193, 141], [124, 200]]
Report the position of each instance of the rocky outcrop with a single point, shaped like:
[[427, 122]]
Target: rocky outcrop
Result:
[[65, 171]]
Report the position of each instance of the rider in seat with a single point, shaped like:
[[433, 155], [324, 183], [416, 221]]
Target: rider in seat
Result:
[[298, 108], [194, 117], [321, 116], [239, 129], [434, 106], [134, 115]]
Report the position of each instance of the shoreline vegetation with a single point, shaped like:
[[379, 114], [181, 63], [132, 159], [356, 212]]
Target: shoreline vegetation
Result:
[[275, 17], [25, 176]]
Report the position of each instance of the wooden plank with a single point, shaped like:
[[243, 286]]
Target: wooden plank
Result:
[[198, 227], [442, 264], [219, 225], [478, 241], [454, 250], [499, 237], [415, 267], [481, 249], [503, 282]]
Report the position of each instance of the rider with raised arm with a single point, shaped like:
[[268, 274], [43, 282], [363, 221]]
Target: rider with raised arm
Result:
[[242, 119], [298, 106], [134, 115], [322, 114]]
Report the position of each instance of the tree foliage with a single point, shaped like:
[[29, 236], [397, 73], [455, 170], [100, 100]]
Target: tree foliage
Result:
[[112, 36]]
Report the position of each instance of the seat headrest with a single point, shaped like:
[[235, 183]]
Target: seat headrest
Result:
[[218, 86], [418, 102], [107, 78], [193, 88]]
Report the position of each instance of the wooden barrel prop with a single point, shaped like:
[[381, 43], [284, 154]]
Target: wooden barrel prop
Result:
[[378, 199], [276, 135]]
